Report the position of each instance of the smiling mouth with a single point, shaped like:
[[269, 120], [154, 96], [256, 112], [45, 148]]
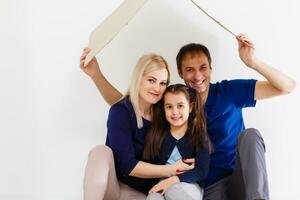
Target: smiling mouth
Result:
[[154, 94], [175, 118], [198, 83]]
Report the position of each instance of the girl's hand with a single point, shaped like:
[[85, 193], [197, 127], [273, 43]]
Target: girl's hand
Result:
[[162, 186], [92, 68], [183, 165]]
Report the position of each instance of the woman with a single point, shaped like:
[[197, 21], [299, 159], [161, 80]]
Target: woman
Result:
[[128, 124]]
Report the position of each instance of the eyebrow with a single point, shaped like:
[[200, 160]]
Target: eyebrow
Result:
[[198, 66], [156, 78], [152, 77], [166, 104]]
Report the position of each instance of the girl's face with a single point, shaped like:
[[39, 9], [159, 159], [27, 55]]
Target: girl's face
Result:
[[177, 109], [153, 85]]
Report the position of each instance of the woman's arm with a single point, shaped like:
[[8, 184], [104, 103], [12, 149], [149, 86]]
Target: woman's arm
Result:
[[119, 139], [147, 170], [110, 94]]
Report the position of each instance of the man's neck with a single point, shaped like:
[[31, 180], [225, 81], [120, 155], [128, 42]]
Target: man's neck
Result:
[[204, 95]]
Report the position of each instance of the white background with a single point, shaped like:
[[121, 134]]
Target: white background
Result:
[[51, 114]]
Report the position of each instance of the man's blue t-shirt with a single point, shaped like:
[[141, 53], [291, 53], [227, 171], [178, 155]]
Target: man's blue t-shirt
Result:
[[224, 119]]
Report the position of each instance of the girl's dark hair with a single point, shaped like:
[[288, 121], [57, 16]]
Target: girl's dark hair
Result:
[[160, 126]]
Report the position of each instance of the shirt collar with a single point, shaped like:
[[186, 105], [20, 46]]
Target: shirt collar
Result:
[[211, 95]]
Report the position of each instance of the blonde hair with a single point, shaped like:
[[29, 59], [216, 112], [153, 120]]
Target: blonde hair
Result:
[[145, 64]]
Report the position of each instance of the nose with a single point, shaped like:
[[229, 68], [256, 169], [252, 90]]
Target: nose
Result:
[[174, 111], [156, 87], [198, 75]]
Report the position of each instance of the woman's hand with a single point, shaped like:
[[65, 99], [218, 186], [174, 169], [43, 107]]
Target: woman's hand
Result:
[[92, 68], [163, 185], [182, 166]]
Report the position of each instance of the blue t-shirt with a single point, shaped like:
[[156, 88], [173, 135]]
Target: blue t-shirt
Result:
[[224, 119], [127, 143], [174, 157]]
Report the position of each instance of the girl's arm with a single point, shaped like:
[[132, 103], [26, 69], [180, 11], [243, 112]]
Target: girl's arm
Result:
[[200, 171]]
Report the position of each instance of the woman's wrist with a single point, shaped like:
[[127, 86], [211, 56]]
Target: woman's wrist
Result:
[[171, 171], [97, 76]]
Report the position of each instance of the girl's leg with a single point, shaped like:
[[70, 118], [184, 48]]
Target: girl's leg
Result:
[[186, 191], [128, 193], [155, 196], [100, 181]]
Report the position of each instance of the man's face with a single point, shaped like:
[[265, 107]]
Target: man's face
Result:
[[196, 72]]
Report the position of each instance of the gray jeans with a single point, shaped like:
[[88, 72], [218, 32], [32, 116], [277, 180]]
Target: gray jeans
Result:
[[249, 180], [179, 191]]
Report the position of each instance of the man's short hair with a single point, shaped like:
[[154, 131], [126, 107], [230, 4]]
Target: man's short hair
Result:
[[191, 48]]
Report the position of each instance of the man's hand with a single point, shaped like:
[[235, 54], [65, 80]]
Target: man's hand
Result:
[[246, 50], [162, 186]]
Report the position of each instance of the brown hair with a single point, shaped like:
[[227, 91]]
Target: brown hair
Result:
[[191, 48], [160, 126]]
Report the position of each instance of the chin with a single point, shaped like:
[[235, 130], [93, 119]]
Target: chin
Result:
[[153, 100], [202, 89], [177, 124]]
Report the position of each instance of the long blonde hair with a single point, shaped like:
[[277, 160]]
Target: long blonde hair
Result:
[[145, 64]]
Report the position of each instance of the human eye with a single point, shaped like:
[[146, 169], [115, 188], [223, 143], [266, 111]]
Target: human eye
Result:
[[203, 67], [189, 69], [180, 106], [151, 80], [167, 107], [163, 83]]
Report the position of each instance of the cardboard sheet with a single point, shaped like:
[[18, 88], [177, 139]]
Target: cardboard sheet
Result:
[[111, 26]]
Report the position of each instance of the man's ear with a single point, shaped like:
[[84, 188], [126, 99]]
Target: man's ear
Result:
[[180, 74]]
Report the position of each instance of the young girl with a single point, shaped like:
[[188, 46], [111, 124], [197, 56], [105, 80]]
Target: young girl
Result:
[[179, 132]]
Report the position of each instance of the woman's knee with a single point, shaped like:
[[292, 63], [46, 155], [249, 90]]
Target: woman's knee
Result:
[[98, 165], [101, 151]]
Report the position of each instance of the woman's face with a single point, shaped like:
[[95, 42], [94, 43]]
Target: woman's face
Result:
[[153, 85]]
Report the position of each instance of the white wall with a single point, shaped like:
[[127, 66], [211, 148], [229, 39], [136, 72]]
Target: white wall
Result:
[[51, 114]]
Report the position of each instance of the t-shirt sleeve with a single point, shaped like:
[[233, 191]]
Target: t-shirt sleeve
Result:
[[241, 92], [120, 138]]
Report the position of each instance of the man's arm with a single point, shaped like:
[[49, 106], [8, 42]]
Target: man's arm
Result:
[[110, 94], [277, 83]]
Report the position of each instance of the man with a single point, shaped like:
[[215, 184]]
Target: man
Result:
[[237, 168]]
